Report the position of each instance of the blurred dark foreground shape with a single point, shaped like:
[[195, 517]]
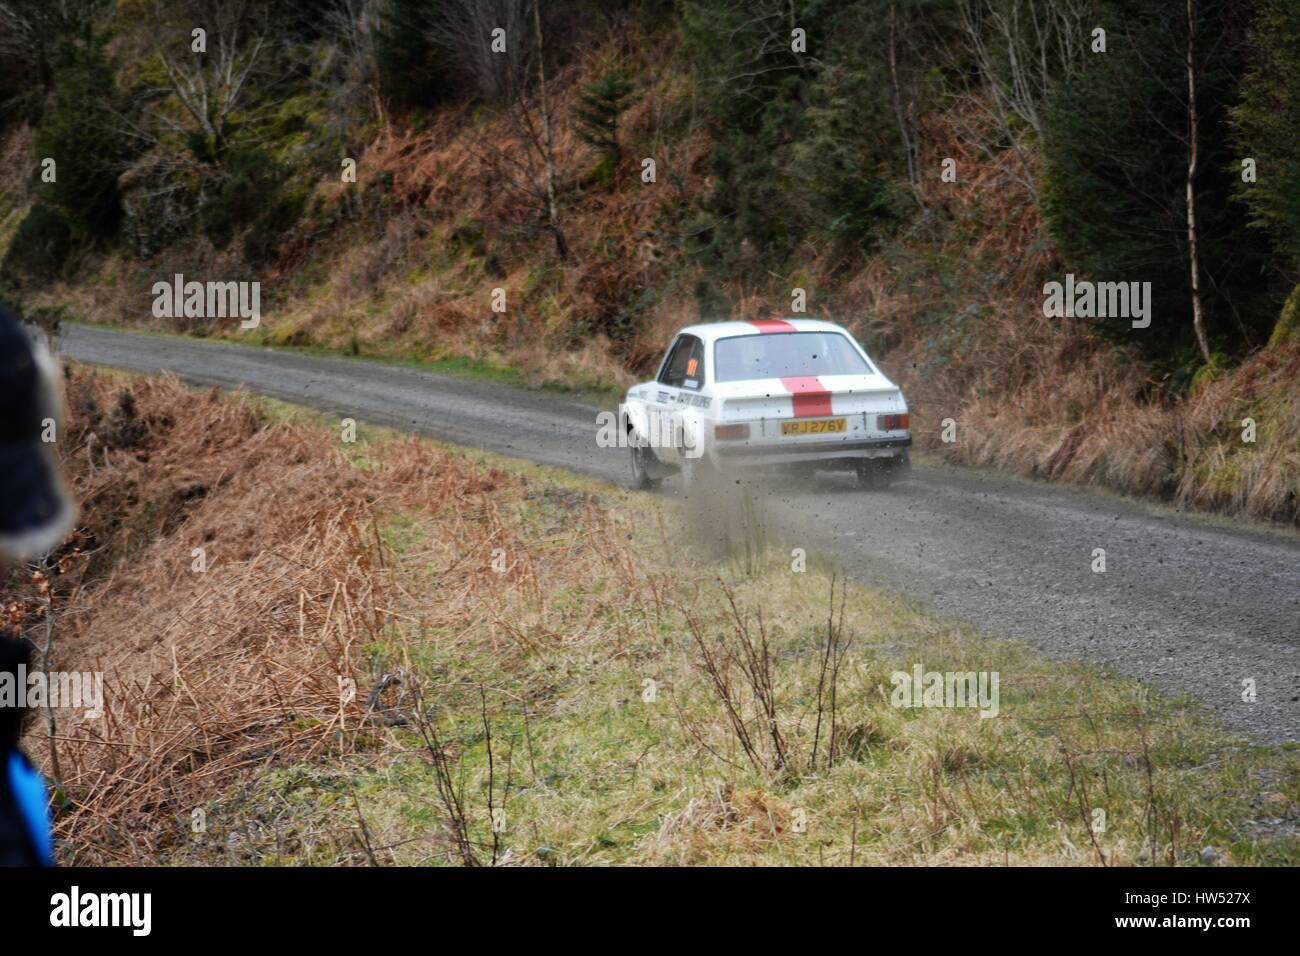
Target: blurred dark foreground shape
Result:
[[35, 515]]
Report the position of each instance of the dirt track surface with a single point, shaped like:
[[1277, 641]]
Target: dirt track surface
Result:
[[1191, 605]]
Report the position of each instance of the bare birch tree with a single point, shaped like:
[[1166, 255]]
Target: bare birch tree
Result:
[[1021, 49], [211, 85], [1193, 136], [904, 115], [511, 79], [351, 24]]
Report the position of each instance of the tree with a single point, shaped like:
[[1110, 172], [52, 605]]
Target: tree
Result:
[[500, 47], [411, 62], [1268, 130], [31, 32], [1118, 149], [1021, 49], [1193, 154], [213, 85], [80, 132], [750, 83], [813, 105], [547, 143], [601, 105], [354, 85]]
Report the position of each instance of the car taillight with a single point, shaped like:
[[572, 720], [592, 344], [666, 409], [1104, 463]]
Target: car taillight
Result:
[[893, 423], [730, 432]]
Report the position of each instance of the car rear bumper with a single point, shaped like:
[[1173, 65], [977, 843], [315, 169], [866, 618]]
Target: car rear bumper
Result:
[[745, 454]]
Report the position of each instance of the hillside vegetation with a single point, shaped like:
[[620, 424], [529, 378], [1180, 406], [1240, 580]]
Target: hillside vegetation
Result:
[[915, 169]]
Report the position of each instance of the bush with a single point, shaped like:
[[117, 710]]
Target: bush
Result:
[[39, 247], [263, 240], [257, 195], [250, 181], [1287, 330]]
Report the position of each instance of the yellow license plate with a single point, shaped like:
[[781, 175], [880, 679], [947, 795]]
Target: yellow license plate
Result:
[[813, 426]]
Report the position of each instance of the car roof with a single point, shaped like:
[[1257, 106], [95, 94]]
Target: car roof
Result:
[[712, 331]]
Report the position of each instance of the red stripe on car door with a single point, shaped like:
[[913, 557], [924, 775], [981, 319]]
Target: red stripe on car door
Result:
[[810, 396], [772, 325]]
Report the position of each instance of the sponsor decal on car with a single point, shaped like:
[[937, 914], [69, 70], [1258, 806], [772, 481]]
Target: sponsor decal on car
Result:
[[698, 401]]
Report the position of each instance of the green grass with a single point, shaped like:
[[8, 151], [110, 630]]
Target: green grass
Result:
[[593, 772]]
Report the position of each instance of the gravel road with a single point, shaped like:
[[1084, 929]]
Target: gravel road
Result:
[[1189, 604]]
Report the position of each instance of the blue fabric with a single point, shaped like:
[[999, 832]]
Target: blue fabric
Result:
[[29, 794]]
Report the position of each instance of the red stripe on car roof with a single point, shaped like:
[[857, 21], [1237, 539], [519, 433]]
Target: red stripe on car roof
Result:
[[810, 396], [773, 325]]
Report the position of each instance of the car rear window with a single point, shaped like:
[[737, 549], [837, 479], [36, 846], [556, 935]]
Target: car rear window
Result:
[[785, 355]]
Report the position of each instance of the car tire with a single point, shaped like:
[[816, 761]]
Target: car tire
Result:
[[640, 477]]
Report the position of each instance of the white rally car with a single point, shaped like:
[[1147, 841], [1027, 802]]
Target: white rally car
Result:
[[766, 394]]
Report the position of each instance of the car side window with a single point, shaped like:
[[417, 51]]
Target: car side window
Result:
[[665, 372], [685, 365], [694, 366]]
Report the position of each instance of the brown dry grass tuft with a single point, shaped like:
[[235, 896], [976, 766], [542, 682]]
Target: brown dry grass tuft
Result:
[[726, 820], [214, 675]]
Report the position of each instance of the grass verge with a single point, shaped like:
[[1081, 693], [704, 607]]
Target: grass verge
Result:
[[407, 653]]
